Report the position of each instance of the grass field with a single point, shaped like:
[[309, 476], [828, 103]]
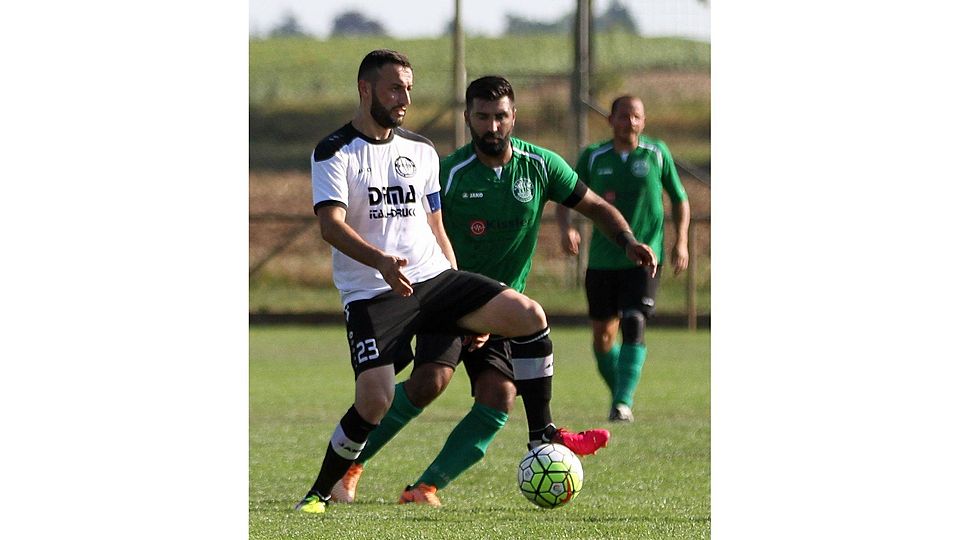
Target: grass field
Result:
[[653, 481]]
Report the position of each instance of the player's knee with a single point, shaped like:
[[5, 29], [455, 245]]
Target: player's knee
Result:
[[426, 383], [603, 342], [375, 393], [632, 324], [524, 316], [373, 407], [533, 318], [605, 333]]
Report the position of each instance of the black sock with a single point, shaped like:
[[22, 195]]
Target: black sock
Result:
[[533, 373], [536, 395], [347, 441]]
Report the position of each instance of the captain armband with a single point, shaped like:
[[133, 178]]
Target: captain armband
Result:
[[433, 199]]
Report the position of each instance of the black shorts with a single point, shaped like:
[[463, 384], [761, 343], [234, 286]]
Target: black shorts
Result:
[[612, 292], [379, 329], [449, 351]]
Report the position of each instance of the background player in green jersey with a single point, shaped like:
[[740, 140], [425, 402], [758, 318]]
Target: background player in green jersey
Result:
[[493, 192], [630, 171]]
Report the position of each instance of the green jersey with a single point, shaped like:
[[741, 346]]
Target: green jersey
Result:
[[493, 217], [634, 183]]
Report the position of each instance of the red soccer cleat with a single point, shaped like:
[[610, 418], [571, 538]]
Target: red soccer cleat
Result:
[[584, 443]]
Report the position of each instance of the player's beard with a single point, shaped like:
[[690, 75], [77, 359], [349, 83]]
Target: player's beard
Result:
[[381, 115], [492, 148]]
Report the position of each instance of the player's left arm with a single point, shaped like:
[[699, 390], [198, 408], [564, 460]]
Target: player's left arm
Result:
[[680, 254], [433, 202], [680, 210], [435, 219]]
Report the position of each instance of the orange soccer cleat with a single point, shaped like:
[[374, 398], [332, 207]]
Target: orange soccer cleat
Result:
[[345, 490], [421, 494]]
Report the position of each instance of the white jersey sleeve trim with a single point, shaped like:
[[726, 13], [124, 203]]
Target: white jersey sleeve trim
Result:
[[539, 159], [596, 153], [454, 170], [329, 179], [653, 148]]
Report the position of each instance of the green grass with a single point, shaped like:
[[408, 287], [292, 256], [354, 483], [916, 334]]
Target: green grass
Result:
[[301, 89], [653, 481], [303, 69]]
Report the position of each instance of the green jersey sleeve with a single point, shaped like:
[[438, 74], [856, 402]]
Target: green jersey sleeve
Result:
[[563, 179], [669, 176]]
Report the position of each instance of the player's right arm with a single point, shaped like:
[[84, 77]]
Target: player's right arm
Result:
[[334, 229], [331, 195]]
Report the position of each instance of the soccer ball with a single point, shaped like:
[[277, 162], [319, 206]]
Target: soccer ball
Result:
[[550, 475]]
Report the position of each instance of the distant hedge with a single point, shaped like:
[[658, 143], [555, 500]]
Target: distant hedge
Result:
[[303, 70]]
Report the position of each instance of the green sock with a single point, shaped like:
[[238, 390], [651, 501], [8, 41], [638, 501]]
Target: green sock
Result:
[[607, 364], [465, 445], [629, 367], [400, 414]]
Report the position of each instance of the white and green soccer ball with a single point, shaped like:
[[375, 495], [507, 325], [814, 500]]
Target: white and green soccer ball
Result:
[[550, 475]]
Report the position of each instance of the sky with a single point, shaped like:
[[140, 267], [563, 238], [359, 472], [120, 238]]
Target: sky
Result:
[[416, 18]]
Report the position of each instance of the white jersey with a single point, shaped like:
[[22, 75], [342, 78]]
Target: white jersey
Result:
[[387, 187]]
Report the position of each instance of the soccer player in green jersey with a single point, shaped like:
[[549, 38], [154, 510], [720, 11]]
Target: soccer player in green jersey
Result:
[[493, 192], [630, 171]]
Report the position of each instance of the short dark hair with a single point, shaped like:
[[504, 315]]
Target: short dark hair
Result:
[[490, 88], [375, 60], [619, 100]]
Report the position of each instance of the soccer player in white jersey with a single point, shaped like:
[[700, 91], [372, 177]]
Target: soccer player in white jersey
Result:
[[376, 195]]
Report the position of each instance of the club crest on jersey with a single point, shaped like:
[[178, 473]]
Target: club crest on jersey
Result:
[[523, 189], [478, 227], [639, 168], [405, 167]]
